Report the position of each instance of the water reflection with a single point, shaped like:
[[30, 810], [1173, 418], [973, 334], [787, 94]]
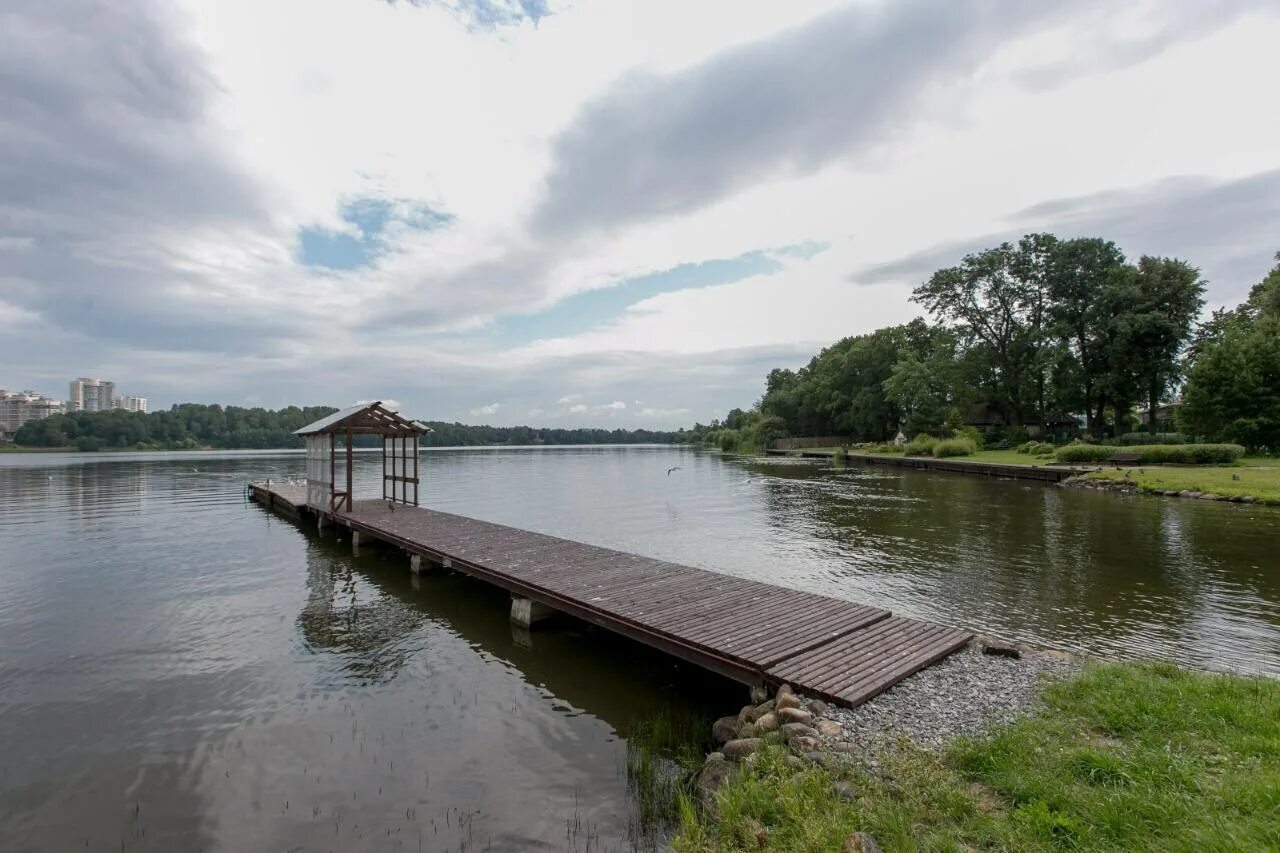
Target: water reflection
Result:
[[181, 669]]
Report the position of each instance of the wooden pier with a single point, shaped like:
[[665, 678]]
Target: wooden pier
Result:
[[753, 632]]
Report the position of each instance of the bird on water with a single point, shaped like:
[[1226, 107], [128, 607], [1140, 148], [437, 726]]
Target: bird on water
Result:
[[672, 468]]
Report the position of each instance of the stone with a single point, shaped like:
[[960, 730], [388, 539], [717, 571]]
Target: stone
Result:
[[1208, 497], [1001, 650], [764, 708], [799, 730], [740, 748], [759, 693], [861, 842], [830, 728], [725, 729], [803, 744], [844, 746], [746, 730], [1247, 499], [788, 700], [845, 791], [818, 707], [767, 723], [795, 715], [748, 714], [715, 774], [784, 689]]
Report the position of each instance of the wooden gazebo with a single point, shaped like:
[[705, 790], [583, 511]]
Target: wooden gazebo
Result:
[[399, 455]]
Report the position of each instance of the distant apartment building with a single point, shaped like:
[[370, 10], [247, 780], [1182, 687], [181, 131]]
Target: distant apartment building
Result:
[[130, 403], [20, 407], [91, 395]]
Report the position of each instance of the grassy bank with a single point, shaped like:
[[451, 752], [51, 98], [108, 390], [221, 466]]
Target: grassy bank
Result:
[[1132, 757], [1258, 478]]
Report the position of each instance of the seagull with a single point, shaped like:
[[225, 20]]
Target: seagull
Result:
[[672, 468]]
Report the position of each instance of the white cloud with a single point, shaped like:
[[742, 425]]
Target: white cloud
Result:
[[170, 262]]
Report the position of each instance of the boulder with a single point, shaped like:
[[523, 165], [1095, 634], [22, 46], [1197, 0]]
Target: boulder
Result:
[[795, 715], [861, 842], [784, 690], [788, 700], [767, 723], [803, 744], [740, 748], [818, 707], [845, 791], [1208, 496], [715, 774], [1247, 499], [749, 714], [995, 648], [764, 708], [725, 729], [799, 730], [830, 728], [844, 746], [746, 730]]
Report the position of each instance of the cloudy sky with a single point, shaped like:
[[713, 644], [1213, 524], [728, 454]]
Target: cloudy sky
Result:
[[589, 213]]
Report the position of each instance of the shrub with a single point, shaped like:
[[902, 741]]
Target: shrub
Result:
[[1153, 438], [971, 433], [1014, 435], [840, 457], [954, 447], [728, 440], [1153, 454], [1027, 446], [1044, 449], [1078, 453], [921, 445]]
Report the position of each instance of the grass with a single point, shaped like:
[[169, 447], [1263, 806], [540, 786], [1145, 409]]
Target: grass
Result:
[[1123, 757], [664, 751], [1252, 476]]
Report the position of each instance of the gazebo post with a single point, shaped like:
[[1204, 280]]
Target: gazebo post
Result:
[[349, 460]]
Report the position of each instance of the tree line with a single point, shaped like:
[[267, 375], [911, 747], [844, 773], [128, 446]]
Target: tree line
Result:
[[1039, 338], [190, 426]]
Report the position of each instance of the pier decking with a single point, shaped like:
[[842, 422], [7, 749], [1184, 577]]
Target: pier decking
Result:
[[747, 630]]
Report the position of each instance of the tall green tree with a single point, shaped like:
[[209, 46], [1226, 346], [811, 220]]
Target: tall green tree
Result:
[[1233, 385], [1085, 281], [996, 301]]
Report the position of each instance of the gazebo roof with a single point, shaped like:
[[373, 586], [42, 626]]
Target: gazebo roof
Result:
[[364, 419]]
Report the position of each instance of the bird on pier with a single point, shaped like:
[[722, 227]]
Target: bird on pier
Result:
[[391, 506], [672, 468]]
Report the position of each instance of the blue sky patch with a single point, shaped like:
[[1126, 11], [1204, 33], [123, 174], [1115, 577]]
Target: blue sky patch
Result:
[[372, 217], [595, 307]]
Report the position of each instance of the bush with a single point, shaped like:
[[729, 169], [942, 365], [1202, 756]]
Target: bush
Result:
[[1044, 449], [728, 440], [1153, 454], [884, 447], [840, 456], [1027, 446], [971, 433], [954, 447], [1153, 438], [921, 445]]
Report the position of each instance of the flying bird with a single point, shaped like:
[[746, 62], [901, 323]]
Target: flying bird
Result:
[[673, 468]]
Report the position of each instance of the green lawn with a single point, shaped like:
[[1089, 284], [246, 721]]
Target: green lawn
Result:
[[1255, 476], [1124, 757], [1008, 457]]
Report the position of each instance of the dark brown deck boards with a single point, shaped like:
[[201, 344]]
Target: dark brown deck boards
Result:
[[742, 628], [860, 665]]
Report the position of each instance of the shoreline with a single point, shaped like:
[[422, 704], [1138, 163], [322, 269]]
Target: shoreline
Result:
[[997, 746]]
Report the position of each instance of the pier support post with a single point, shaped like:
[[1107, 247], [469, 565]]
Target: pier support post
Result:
[[415, 563], [320, 521], [355, 542], [526, 612]]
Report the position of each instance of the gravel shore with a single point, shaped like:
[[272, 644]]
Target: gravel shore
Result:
[[965, 694]]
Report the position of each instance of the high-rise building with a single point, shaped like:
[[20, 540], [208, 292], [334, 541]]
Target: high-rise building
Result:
[[91, 395], [130, 403], [19, 407]]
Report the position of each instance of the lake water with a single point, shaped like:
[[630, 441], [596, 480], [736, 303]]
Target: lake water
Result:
[[180, 669]]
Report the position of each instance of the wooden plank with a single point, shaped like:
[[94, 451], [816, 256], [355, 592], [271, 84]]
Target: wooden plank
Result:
[[740, 627]]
